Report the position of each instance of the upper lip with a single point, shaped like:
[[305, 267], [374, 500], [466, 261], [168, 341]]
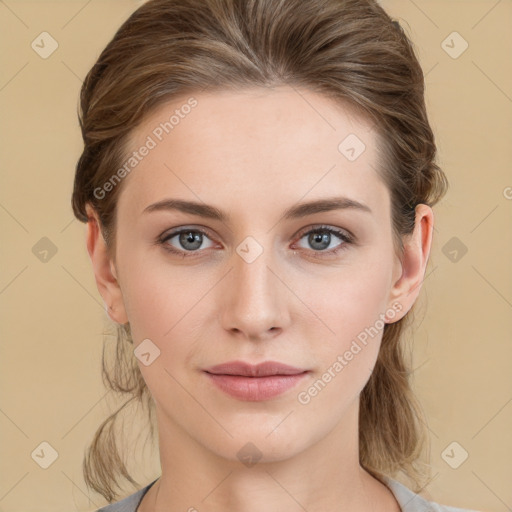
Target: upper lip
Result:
[[254, 370]]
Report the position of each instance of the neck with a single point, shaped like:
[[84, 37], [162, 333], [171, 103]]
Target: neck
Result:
[[325, 477]]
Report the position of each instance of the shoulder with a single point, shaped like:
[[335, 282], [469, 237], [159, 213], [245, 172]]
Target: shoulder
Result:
[[409, 501], [128, 504]]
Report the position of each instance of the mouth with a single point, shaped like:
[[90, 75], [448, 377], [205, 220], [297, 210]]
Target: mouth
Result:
[[265, 369], [259, 382]]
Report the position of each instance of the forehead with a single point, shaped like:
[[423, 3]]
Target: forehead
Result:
[[253, 146]]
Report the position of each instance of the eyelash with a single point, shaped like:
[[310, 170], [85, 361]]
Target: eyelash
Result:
[[348, 239]]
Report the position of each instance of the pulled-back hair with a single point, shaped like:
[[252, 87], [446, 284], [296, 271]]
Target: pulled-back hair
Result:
[[348, 50]]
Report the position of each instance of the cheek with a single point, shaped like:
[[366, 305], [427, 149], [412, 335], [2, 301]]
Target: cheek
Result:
[[349, 315], [354, 310], [347, 303], [156, 296], [166, 306], [161, 305]]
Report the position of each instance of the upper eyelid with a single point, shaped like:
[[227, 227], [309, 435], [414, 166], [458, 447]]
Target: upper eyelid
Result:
[[325, 227], [176, 231]]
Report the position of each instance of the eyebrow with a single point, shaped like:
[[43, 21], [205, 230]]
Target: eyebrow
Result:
[[294, 212]]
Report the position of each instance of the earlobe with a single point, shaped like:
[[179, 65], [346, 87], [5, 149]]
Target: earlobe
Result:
[[414, 261], [104, 269]]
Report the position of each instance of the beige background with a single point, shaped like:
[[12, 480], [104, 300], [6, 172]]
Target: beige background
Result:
[[52, 315]]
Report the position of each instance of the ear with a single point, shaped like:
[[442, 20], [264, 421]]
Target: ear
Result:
[[104, 269], [413, 263]]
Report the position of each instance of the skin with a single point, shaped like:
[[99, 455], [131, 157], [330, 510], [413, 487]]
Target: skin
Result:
[[253, 154]]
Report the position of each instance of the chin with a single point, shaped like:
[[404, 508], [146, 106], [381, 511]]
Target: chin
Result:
[[251, 446]]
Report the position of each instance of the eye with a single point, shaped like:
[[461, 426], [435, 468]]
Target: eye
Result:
[[191, 240], [187, 240], [321, 238]]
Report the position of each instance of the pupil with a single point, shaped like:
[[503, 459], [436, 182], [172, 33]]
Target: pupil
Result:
[[319, 237], [189, 238]]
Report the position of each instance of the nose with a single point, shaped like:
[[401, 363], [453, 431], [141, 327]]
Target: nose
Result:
[[254, 299]]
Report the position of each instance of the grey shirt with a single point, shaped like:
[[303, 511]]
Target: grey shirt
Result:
[[407, 499]]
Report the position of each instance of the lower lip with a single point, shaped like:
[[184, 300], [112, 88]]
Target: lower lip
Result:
[[255, 389]]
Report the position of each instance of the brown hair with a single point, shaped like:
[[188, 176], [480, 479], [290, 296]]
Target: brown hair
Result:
[[348, 50]]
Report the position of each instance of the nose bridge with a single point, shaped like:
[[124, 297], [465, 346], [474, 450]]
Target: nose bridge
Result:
[[254, 296]]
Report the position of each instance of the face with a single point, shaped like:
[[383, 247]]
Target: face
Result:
[[250, 273]]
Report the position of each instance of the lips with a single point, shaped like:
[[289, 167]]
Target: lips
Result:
[[259, 370], [252, 383]]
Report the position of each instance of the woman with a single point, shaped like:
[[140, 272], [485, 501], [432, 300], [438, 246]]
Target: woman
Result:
[[257, 181]]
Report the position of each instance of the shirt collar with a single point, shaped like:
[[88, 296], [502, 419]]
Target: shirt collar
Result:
[[408, 500]]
